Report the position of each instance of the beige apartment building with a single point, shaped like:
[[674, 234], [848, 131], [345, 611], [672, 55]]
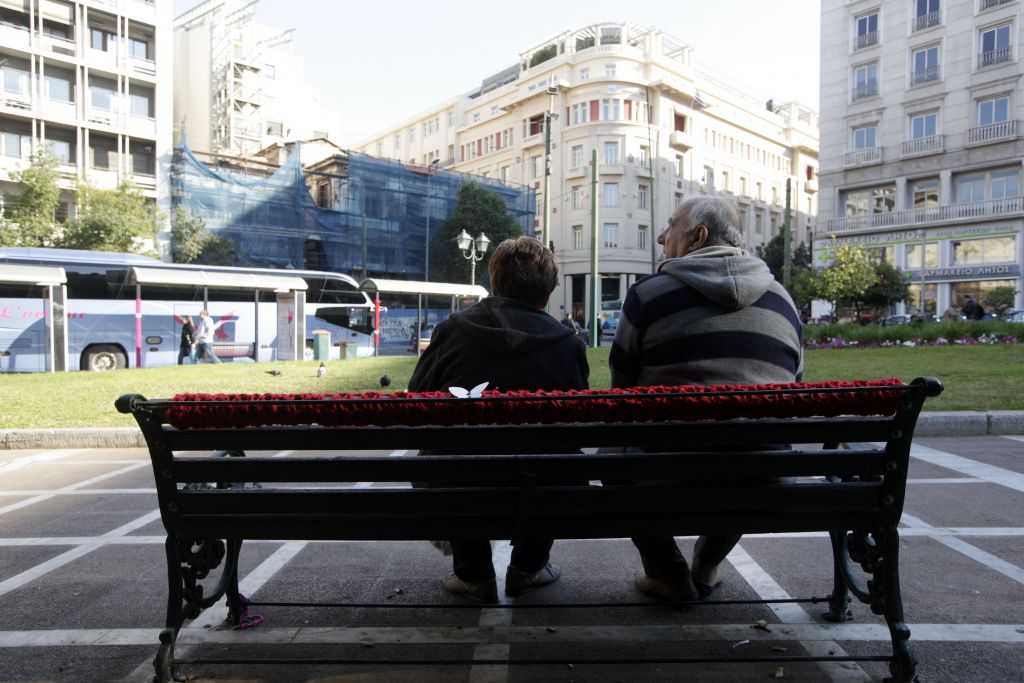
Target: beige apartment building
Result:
[[90, 80], [921, 149], [663, 130]]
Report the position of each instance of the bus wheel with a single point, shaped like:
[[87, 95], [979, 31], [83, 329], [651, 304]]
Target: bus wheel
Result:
[[104, 357]]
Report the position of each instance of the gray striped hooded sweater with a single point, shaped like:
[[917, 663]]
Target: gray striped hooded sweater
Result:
[[714, 316]]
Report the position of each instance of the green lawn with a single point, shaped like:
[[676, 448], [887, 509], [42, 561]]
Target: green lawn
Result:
[[976, 378]]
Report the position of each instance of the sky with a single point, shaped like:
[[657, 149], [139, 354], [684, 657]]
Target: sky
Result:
[[379, 62]]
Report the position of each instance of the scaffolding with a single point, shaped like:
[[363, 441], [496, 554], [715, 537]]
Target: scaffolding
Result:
[[372, 221]]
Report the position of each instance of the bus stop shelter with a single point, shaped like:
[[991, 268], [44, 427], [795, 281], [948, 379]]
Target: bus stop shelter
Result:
[[291, 317], [376, 286], [53, 282]]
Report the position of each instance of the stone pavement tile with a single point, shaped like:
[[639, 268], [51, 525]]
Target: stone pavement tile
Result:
[[1009, 548], [76, 515], [154, 528], [117, 454], [9, 500], [992, 450], [16, 559], [141, 478], [78, 664], [919, 469], [112, 587], [55, 475], [945, 505], [953, 662]]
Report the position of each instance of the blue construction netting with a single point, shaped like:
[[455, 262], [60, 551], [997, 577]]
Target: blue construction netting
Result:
[[378, 210]]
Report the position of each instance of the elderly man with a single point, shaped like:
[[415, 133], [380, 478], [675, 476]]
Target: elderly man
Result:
[[509, 341], [711, 314]]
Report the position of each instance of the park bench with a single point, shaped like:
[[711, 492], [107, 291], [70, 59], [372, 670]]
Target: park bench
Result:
[[705, 470]]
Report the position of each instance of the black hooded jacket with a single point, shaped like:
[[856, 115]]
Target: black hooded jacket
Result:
[[506, 343]]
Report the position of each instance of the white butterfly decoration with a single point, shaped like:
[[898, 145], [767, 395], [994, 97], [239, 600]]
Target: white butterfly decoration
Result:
[[475, 392]]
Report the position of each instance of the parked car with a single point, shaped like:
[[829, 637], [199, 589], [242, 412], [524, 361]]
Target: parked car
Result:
[[896, 320], [610, 324], [1015, 316]]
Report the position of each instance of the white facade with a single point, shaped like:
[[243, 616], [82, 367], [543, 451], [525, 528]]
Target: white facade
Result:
[[90, 80], [921, 150], [240, 87], [705, 135]]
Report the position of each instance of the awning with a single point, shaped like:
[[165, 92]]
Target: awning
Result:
[[372, 285], [219, 280], [32, 275]]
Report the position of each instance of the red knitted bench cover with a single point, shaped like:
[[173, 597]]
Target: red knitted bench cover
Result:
[[637, 404]]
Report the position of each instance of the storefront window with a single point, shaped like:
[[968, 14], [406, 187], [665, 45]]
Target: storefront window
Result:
[[914, 298], [875, 200], [977, 290], [931, 255], [887, 254], [988, 250]]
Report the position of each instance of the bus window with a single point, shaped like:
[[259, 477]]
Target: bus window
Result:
[[332, 291]]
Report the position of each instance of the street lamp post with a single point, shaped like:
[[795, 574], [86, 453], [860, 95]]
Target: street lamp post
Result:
[[472, 250], [426, 240]]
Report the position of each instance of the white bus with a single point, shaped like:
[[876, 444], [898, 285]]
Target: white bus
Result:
[[126, 310]]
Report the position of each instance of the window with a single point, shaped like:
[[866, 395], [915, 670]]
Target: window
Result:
[[15, 76], [577, 196], [926, 14], [577, 237], [576, 157], [999, 184], [988, 250], [59, 84], [709, 178], [102, 94], [584, 74], [930, 251], [871, 200], [536, 166], [1006, 184], [143, 161], [102, 39], [865, 137], [533, 125], [61, 150], [610, 195], [16, 143], [759, 222], [451, 119], [923, 126], [641, 237], [758, 192], [994, 110], [925, 65], [275, 128], [970, 188], [611, 109], [645, 155], [138, 48], [269, 72], [611, 153], [679, 165], [103, 151], [398, 141], [743, 185], [641, 197], [380, 149], [578, 113], [611, 235], [323, 195], [725, 181], [609, 71], [925, 194], [611, 35], [141, 103], [412, 135], [865, 81], [995, 46], [867, 30]]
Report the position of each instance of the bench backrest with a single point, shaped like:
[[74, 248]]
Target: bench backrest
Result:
[[516, 480]]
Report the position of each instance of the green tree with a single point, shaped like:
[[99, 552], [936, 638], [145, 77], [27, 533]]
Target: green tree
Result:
[[477, 210], [30, 221], [890, 286], [999, 299], [111, 220], [773, 253], [846, 278], [191, 242]]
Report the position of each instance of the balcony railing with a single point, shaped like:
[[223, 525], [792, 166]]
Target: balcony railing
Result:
[[863, 157], [934, 214], [996, 132], [922, 146], [994, 57], [865, 90], [989, 4], [867, 39], [930, 73], [923, 21]]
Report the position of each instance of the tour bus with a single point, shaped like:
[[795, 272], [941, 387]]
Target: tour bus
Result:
[[126, 310]]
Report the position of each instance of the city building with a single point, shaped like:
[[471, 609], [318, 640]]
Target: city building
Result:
[[89, 80], [662, 128], [240, 87], [921, 149]]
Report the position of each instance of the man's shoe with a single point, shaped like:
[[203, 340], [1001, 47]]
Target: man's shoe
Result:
[[478, 591], [706, 580], [664, 590], [517, 582]]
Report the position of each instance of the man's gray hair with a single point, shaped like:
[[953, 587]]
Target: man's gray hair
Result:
[[722, 219]]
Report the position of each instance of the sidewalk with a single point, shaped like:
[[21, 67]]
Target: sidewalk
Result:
[[940, 423]]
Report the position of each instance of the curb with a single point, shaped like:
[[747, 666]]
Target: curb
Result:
[[939, 423]]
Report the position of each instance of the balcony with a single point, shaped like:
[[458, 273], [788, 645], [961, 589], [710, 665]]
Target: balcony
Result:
[[865, 90], [989, 4], [811, 186], [866, 40], [993, 57], [996, 132], [925, 75], [923, 21], [142, 67], [680, 139], [60, 46], [863, 157], [953, 213], [920, 147]]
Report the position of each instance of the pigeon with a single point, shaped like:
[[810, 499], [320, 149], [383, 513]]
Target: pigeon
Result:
[[321, 371], [385, 381], [275, 373]]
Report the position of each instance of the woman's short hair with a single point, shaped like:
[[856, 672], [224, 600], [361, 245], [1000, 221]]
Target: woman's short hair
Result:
[[523, 269]]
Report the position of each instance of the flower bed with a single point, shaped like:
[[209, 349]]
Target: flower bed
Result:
[[962, 333]]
